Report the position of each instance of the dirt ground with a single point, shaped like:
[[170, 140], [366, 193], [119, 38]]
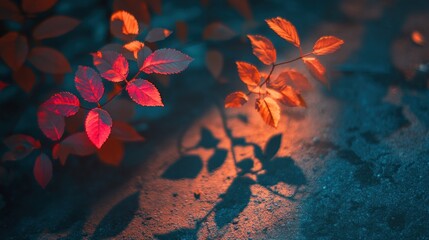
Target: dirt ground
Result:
[[353, 165]]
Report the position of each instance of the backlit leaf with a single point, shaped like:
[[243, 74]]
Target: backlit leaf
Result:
[[291, 77], [166, 61], [269, 111], [51, 124], [42, 170], [316, 68], [157, 34], [326, 45], [63, 103], [13, 49], [125, 132], [137, 8], [214, 61], [288, 96], [25, 78], [418, 38], [49, 60], [144, 93], [236, 99], [142, 54], [124, 26], [249, 74], [54, 26], [284, 29], [218, 32], [32, 6], [263, 49], [20, 146], [131, 49], [98, 125], [112, 152], [111, 65], [89, 84]]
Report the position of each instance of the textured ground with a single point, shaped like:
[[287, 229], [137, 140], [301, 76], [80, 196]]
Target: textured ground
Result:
[[353, 165]]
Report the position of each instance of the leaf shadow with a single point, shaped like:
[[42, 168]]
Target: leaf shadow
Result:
[[187, 166], [217, 160], [118, 218]]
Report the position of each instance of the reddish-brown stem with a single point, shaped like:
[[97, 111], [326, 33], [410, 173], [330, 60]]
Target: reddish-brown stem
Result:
[[273, 66], [122, 88]]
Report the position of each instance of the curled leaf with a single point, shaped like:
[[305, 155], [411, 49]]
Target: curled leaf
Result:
[[316, 68], [284, 29], [98, 125], [269, 111], [124, 26], [166, 61], [51, 124], [54, 26], [236, 99], [263, 49], [49, 60], [144, 93], [157, 34], [249, 74], [63, 103], [327, 45], [111, 65], [42, 170], [89, 84], [125, 132]]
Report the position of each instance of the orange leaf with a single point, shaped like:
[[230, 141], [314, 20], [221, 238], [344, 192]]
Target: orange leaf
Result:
[[32, 6], [326, 45], [243, 7], [137, 8], [218, 32], [288, 96], [25, 78], [54, 27], [124, 26], [214, 61], [269, 111], [291, 77], [49, 60], [316, 68], [249, 74], [236, 99], [132, 49], [417, 38], [112, 152], [263, 49], [284, 29], [14, 49]]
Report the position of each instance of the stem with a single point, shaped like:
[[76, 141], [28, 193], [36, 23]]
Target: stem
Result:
[[122, 89], [273, 66]]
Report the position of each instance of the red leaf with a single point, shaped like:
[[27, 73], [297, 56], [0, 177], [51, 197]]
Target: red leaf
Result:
[[218, 32], [284, 29], [112, 152], [142, 55], [20, 146], [157, 34], [89, 84], [98, 125], [25, 78], [326, 45], [14, 49], [63, 103], [137, 8], [124, 26], [112, 65], [144, 93], [236, 99], [214, 61], [49, 60], [43, 170], [269, 111], [3, 85], [263, 49], [32, 6], [316, 68], [249, 74], [51, 124], [76, 144], [125, 132], [54, 26], [166, 61], [10, 11]]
